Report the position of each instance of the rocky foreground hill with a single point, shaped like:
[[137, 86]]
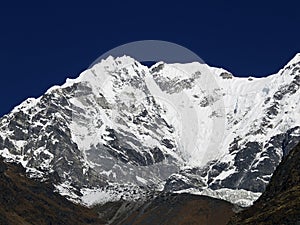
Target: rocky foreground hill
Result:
[[26, 201], [280, 203]]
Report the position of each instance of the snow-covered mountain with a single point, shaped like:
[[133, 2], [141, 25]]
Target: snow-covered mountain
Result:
[[123, 130]]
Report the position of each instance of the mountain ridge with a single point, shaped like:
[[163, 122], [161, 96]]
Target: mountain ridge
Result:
[[121, 116]]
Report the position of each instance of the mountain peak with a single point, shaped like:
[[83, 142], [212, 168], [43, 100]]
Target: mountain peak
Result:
[[294, 60], [111, 60]]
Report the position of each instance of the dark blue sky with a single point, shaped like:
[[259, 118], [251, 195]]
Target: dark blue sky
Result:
[[42, 45]]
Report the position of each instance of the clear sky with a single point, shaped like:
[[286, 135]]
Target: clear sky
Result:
[[42, 45]]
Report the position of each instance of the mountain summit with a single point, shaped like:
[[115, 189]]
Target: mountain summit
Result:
[[294, 60]]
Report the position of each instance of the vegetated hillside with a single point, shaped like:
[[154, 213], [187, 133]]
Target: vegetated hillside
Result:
[[26, 201], [280, 203], [171, 209]]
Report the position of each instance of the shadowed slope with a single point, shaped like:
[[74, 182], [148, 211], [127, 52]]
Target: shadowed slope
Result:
[[25, 201], [280, 203], [180, 209]]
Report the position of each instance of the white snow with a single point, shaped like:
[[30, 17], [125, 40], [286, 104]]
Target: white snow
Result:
[[239, 197], [97, 196], [295, 59]]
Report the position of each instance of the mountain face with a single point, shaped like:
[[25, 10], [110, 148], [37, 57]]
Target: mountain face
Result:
[[280, 203], [122, 130]]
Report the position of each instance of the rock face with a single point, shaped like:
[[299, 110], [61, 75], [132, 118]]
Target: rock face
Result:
[[280, 203], [25, 201], [172, 127]]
